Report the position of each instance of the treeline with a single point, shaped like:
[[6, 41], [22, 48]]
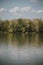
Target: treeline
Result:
[[21, 25]]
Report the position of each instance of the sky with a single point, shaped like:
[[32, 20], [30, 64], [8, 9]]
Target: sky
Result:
[[13, 9]]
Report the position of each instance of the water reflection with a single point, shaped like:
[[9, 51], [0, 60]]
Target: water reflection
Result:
[[21, 49]]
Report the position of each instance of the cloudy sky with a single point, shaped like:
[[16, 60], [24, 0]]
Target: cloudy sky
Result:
[[11, 9]]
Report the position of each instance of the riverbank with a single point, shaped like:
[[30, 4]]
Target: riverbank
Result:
[[21, 26]]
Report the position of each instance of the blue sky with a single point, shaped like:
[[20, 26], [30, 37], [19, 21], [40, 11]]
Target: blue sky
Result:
[[11, 9]]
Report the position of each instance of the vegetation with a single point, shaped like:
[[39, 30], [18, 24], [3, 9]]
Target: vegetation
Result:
[[22, 25]]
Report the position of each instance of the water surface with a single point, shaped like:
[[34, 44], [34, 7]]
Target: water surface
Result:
[[21, 49]]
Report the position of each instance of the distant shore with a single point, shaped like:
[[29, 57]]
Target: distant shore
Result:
[[21, 26]]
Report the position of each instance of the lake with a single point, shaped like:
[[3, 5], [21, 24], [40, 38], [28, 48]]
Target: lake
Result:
[[21, 49]]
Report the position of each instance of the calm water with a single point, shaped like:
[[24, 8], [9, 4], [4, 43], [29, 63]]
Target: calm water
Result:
[[21, 49]]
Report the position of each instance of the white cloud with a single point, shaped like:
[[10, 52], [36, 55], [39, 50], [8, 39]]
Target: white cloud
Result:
[[25, 9], [39, 11], [33, 10], [20, 9], [2, 10], [15, 10]]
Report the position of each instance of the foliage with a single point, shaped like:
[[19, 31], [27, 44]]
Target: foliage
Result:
[[21, 25]]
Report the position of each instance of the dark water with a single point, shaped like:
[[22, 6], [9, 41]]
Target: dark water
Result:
[[21, 49]]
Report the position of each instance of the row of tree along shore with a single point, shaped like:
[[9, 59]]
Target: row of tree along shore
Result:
[[21, 25]]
